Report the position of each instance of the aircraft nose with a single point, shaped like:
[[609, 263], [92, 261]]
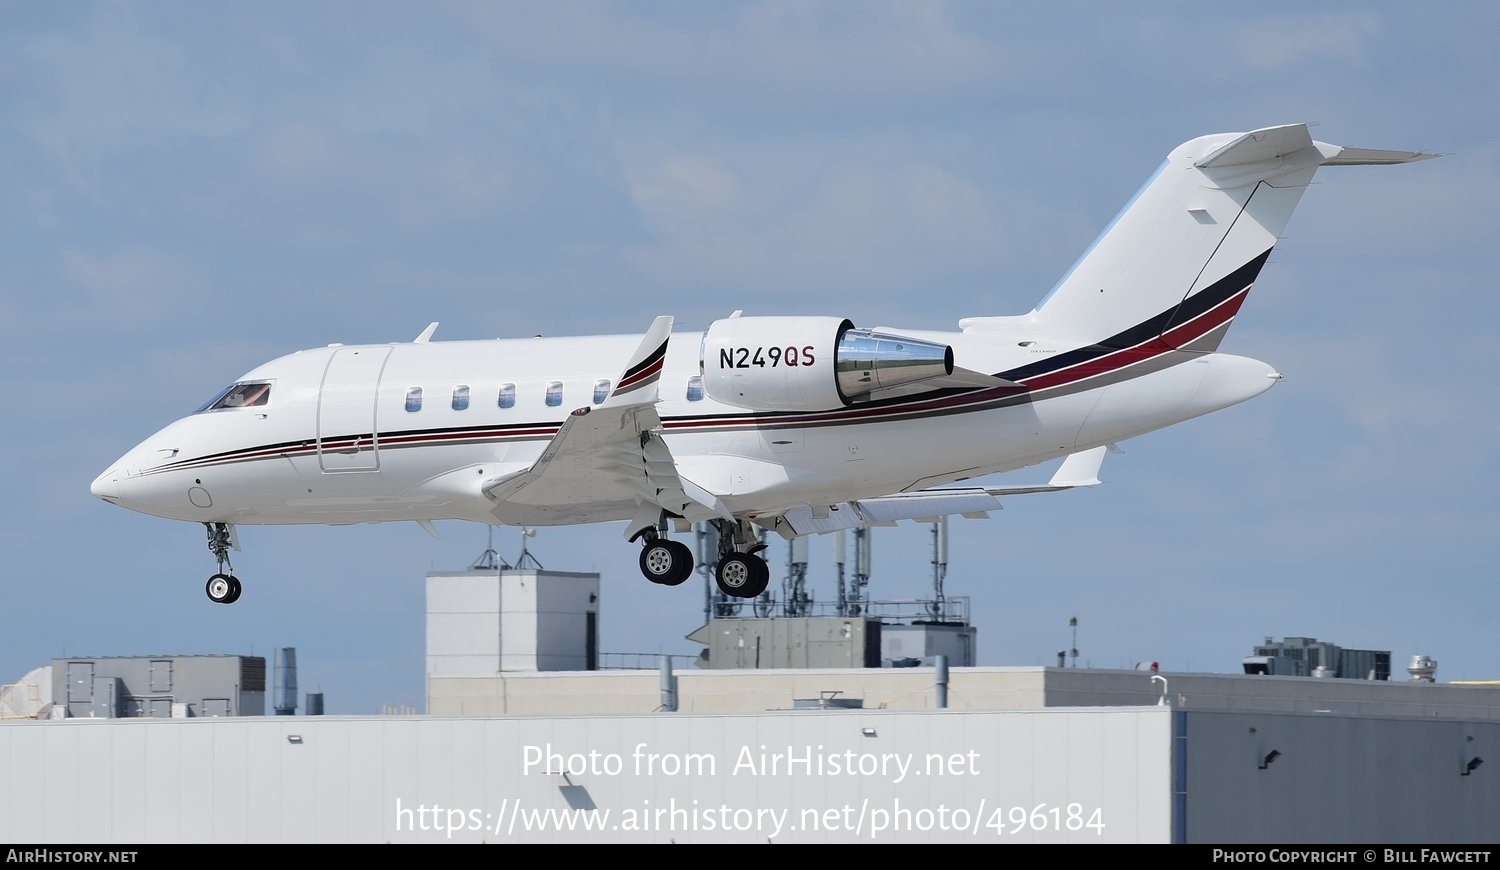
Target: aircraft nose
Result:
[[106, 485]]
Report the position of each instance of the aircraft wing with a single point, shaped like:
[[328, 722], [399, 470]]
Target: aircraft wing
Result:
[[610, 455], [926, 505]]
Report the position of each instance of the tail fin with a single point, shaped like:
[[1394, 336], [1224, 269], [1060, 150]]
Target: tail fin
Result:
[[1176, 263]]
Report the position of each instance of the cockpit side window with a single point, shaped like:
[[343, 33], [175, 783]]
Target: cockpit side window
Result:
[[245, 394]]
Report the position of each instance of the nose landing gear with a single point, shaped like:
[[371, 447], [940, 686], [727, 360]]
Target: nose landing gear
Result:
[[223, 587]]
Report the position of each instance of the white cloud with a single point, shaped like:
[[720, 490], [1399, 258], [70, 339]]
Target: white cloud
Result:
[[686, 183], [864, 222], [114, 84], [1279, 43], [794, 50]]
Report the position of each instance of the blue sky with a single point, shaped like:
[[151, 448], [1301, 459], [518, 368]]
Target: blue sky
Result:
[[192, 189]]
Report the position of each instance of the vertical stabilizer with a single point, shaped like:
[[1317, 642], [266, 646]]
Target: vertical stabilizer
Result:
[[1175, 265]]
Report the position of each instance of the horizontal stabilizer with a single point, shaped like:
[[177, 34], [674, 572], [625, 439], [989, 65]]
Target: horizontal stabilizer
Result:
[[1079, 469], [926, 503], [1375, 157]]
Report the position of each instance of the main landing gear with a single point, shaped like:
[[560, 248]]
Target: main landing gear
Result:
[[740, 573], [743, 575], [223, 587], [669, 563]]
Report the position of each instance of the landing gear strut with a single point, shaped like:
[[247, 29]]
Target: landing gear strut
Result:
[[668, 563], [740, 572], [223, 587]]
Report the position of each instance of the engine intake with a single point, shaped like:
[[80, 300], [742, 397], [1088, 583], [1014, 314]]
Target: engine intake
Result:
[[810, 363]]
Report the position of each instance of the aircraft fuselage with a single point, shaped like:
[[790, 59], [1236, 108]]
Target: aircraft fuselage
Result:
[[375, 433]]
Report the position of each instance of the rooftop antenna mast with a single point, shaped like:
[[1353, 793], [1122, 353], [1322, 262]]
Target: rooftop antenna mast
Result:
[[795, 600], [939, 567], [715, 602], [838, 562], [489, 560], [526, 560], [857, 596]]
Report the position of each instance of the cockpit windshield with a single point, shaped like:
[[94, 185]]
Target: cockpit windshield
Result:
[[245, 394]]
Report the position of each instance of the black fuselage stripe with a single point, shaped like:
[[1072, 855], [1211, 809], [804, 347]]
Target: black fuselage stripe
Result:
[[943, 402]]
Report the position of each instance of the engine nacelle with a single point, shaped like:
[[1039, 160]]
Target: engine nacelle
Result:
[[810, 363]]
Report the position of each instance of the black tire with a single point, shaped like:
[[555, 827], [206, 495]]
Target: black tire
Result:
[[739, 575], [761, 580], [234, 594], [660, 561], [221, 589], [683, 566]]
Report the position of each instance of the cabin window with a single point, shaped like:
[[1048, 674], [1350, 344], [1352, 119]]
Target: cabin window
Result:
[[601, 391], [695, 388], [413, 399], [554, 394], [507, 395], [245, 394], [461, 397]]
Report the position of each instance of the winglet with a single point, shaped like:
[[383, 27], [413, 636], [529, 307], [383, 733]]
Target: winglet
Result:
[[644, 369], [1079, 469], [426, 335]]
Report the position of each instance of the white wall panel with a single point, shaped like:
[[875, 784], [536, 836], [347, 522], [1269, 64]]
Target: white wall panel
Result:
[[1338, 778]]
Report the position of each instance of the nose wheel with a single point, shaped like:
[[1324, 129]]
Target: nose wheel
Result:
[[223, 587]]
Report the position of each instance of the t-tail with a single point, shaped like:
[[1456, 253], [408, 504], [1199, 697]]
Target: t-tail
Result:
[[1175, 265]]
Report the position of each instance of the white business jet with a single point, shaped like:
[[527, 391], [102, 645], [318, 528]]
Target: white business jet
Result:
[[797, 425]]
